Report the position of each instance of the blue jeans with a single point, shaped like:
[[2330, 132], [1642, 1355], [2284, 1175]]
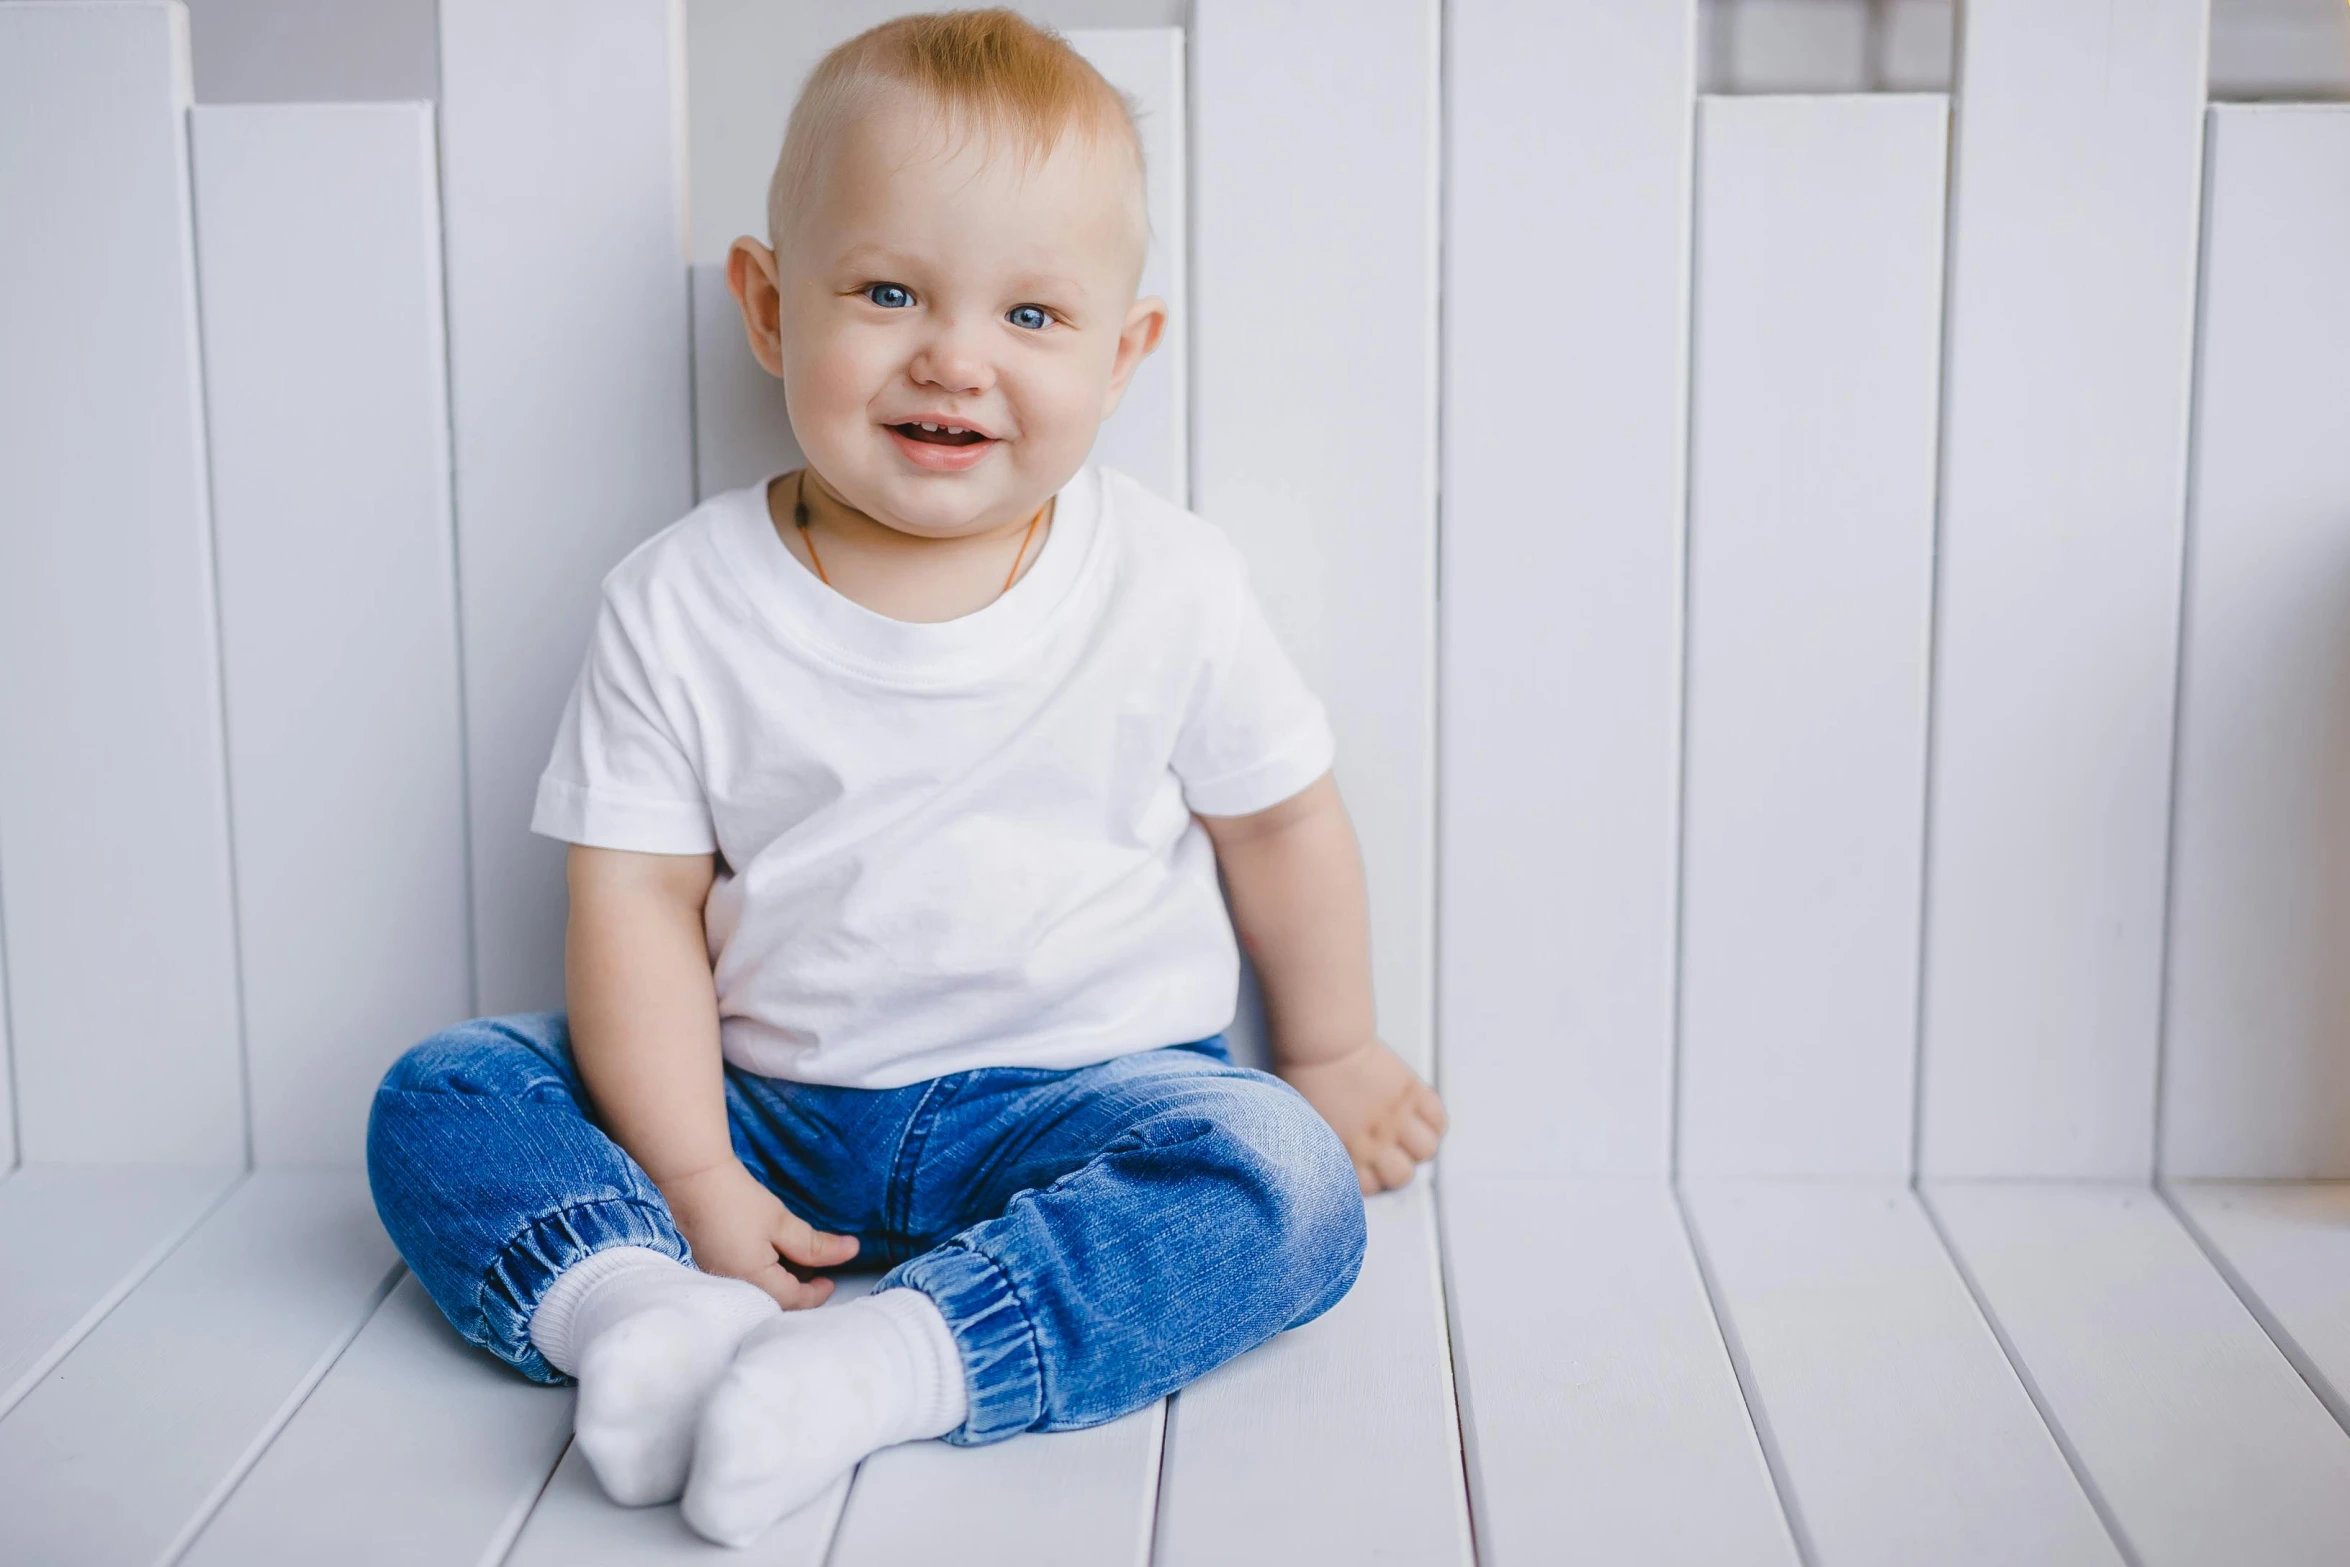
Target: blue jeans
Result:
[[1096, 1238]]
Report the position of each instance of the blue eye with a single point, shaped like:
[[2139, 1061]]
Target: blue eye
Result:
[[1032, 317], [890, 296]]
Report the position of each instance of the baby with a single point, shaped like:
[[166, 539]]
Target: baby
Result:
[[897, 790]]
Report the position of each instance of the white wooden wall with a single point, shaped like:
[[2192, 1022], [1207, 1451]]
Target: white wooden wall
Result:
[[1835, 609]]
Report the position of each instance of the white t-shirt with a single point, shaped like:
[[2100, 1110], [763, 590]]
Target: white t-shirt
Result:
[[943, 846]]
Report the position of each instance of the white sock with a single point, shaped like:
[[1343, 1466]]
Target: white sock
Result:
[[648, 1337], [811, 1394]]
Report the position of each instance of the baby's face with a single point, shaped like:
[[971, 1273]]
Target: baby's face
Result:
[[939, 280]]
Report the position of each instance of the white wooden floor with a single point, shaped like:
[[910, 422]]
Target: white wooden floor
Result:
[[208, 1367]]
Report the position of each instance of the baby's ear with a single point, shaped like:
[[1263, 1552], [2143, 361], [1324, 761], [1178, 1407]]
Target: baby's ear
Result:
[[1146, 321], [750, 277]]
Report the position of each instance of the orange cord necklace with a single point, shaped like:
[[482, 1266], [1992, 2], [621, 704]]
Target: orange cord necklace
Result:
[[799, 516]]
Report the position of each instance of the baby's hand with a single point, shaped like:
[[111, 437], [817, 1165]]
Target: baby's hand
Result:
[[1388, 1119], [741, 1229]]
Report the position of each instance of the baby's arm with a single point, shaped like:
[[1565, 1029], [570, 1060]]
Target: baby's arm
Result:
[[1295, 879], [644, 1031]]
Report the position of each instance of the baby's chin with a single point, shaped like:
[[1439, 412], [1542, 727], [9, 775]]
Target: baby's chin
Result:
[[945, 504]]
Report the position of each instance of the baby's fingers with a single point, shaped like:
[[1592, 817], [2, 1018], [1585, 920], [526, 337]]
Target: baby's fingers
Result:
[[1419, 1139], [791, 1292], [1393, 1167], [810, 1247]]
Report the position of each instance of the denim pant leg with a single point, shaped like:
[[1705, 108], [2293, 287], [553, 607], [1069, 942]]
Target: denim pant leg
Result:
[[1154, 1216], [492, 1179]]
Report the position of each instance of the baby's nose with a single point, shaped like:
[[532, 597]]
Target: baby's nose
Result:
[[953, 361]]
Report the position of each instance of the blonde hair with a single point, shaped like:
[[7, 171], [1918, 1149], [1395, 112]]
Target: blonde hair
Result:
[[993, 72]]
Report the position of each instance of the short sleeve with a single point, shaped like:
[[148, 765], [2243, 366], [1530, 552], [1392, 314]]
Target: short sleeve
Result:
[[1255, 733], [619, 778]]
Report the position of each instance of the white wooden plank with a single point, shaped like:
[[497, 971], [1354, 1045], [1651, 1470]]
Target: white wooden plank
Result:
[[2255, 1080], [2203, 1443], [1596, 1395], [122, 1450], [1336, 1441], [2072, 275], [7, 1067], [111, 772], [76, 1240], [569, 381], [2280, 49], [416, 1447], [318, 241], [1149, 435], [1792, 46], [1315, 134], [742, 427], [1896, 1424], [1069, 1499], [1811, 536], [575, 1525], [1567, 172], [2286, 1248]]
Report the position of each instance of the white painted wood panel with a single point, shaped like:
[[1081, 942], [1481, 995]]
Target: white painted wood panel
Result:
[[417, 1447], [123, 1450], [1313, 354], [576, 1525], [2072, 277], [7, 1068], [1334, 1442], [742, 426], [318, 244], [742, 423], [113, 796], [2255, 1078], [1149, 435], [74, 1240], [1597, 1398], [1068, 1499], [1897, 1426], [1817, 333], [2185, 1418], [2285, 1246], [1566, 286], [570, 387]]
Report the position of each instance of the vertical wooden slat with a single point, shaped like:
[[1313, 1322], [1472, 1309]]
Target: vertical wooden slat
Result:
[[1811, 535], [1149, 435], [742, 424], [569, 380], [1565, 300], [318, 240], [114, 853], [1315, 254], [1314, 244], [2256, 1081], [2072, 267], [7, 1063]]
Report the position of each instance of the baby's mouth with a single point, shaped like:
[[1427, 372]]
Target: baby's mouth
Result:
[[940, 434]]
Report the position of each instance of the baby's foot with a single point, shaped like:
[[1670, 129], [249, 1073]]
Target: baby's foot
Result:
[[808, 1396], [648, 1338]]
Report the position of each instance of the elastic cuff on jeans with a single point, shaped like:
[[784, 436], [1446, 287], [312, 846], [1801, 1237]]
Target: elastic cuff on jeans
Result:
[[1001, 1373], [536, 1257]]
